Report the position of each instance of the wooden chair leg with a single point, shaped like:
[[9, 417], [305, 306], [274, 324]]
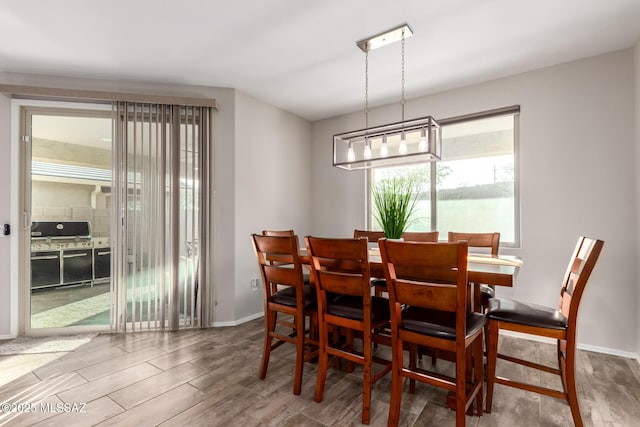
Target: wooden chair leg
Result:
[[469, 372], [478, 372], [323, 360], [572, 391], [336, 336], [269, 327], [349, 348], [366, 394], [300, 334], [562, 364], [469, 365], [461, 388], [492, 356], [413, 362], [396, 386]]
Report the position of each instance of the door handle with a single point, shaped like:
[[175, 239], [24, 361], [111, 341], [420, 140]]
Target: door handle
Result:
[[75, 255], [34, 258], [104, 253], [26, 220]]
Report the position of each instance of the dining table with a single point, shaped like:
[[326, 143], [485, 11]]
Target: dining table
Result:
[[498, 270], [493, 270]]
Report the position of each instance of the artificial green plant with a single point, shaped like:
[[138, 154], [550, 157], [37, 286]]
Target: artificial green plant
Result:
[[395, 202]]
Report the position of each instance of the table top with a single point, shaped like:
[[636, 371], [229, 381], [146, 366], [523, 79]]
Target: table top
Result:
[[500, 270]]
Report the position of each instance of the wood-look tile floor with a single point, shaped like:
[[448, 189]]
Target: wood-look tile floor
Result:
[[209, 378]]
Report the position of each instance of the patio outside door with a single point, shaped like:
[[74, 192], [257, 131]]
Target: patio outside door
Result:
[[68, 182]]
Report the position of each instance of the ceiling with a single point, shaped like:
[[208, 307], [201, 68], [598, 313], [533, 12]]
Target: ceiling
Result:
[[301, 56]]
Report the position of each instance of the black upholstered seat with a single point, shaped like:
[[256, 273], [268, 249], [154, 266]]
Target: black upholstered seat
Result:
[[379, 283], [506, 310], [351, 307], [439, 324], [287, 296], [487, 292]]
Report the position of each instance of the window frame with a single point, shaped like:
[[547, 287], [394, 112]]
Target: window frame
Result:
[[514, 111]]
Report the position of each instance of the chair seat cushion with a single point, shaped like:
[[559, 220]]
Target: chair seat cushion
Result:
[[439, 324], [487, 291], [379, 283], [351, 307], [506, 310], [287, 296]]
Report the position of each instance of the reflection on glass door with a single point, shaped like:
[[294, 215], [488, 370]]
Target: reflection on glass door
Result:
[[70, 208]]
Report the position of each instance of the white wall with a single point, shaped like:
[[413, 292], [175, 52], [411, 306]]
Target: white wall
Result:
[[5, 214], [223, 275], [637, 111], [577, 176], [272, 182]]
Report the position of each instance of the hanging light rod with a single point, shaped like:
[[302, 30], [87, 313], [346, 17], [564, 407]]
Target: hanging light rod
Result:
[[390, 36]]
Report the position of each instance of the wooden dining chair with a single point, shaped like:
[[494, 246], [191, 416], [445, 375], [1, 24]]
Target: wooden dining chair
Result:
[[420, 236], [559, 324], [373, 236], [341, 267], [280, 266], [427, 285], [378, 283], [278, 233], [480, 240]]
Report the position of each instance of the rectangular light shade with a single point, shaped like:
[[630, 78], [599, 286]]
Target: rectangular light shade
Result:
[[382, 146]]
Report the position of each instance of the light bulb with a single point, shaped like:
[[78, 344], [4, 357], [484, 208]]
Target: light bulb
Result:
[[423, 146], [402, 149], [351, 155], [384, 151], [367, 150]]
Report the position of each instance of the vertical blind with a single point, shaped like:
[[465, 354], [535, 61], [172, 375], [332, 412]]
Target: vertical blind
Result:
[[160, 201]]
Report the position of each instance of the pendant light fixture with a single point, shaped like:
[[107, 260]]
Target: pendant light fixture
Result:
[[403, 142]]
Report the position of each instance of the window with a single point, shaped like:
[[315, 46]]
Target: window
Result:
[[474, 187]]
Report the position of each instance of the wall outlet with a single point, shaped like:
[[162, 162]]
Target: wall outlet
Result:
[[255, 283]]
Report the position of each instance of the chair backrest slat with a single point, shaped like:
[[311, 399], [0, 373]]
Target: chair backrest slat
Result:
[[281, 233], [373, 236], [279, 275], [478, 240], [420, 236], [340, 283], [279, 261], [434, 296], [580, 266], [279, 258], [340, 265], [428, 275]]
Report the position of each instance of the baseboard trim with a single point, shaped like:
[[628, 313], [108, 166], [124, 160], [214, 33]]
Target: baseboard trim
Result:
[[588, 347], [8, 337], [239, 321]]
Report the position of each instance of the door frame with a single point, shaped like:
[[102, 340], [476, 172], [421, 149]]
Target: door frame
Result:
[[22, 110]]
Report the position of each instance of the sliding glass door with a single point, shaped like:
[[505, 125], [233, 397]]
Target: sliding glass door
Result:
[[115, 205], [68, 223]]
